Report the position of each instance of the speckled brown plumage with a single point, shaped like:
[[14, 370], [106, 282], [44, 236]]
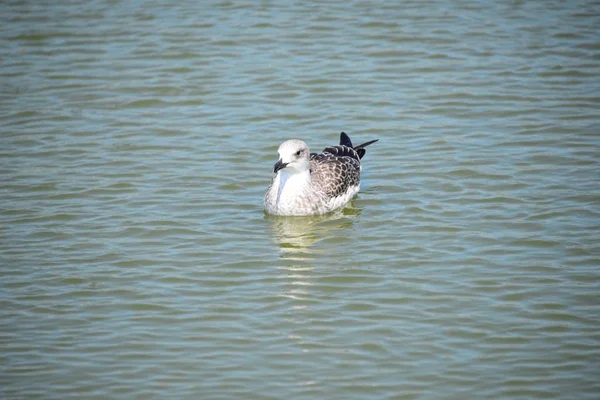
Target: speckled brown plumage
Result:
[[306, 184], [334, 173]]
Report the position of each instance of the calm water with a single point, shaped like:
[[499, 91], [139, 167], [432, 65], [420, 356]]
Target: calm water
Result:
[[138, 138]]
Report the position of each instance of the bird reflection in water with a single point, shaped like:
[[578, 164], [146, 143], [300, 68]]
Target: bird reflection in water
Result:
[[298, 239], [298, 236]]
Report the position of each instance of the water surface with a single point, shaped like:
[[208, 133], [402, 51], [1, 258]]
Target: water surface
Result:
[[138, 138]]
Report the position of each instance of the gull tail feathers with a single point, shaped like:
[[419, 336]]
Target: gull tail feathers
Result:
[[360, 149]]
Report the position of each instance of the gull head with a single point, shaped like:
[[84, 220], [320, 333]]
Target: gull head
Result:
[[293, 157]]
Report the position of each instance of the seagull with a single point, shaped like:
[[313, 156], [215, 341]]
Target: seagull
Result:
[[314, 183]]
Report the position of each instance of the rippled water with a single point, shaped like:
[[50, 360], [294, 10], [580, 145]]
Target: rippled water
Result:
[[138, 138]]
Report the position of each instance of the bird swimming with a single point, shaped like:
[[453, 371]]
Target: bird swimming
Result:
[[314, 183]]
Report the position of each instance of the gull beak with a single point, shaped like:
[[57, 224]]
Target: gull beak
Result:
[[279, 165]]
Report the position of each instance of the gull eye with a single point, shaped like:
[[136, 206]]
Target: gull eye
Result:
[[298, 152]]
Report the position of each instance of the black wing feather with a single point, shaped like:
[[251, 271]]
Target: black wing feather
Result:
[[345, 140], [342, 151]]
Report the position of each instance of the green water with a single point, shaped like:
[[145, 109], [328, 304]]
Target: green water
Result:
[[136, 143]]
